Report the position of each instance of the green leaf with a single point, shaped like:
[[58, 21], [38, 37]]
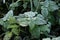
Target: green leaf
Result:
[[36, 2], [45, 28], [25, 5], [57, 38], [46, 3], [44, 11], [13, 5], [12, 26], [31, 24], [5, 25], [50, 5], [21, 16], [23, 22], [35, 33], [16, 31], [8, 15], [53, 6], [1, 22], [58, 4], [40, 21], [7, 36], [46, 39], [30, 14], [51, 19], [40, 16], [12, 20]]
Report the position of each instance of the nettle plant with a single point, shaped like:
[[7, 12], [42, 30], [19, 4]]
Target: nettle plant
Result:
[[38, 23]]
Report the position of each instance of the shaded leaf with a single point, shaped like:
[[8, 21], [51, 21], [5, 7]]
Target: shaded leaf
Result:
[[35, 33], [16, 31], [7, 36]]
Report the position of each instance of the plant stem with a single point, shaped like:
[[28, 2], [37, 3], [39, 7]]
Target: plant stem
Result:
[[31, 5], [12, 1], [7, 5], [38, 5], [3, 1]]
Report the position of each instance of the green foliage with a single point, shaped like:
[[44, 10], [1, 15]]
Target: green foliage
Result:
[[37, 22], [45, 28], [50, 5], [29, 20]]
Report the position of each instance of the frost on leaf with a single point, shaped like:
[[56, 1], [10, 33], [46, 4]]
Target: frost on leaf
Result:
[[8, 15], [30, 14]]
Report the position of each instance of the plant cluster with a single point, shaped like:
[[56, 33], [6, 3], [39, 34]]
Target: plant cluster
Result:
[[38, 20]]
